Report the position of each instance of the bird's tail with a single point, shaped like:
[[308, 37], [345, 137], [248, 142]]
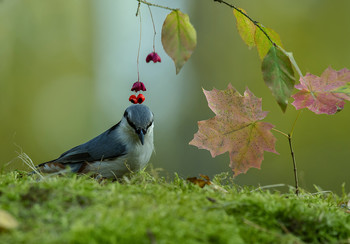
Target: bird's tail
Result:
[[54, 167]]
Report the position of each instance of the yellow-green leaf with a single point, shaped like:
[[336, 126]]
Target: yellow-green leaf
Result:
[[179, 38], [7, 222], [245, 27], [262, 42]]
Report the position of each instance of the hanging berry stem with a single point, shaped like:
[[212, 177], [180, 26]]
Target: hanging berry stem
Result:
[[138, 51], [154, 29]]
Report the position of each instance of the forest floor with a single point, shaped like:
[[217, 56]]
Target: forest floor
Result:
[[150, 209]]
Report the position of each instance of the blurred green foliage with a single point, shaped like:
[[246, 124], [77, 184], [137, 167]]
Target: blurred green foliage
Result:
[[66, 69], [46, 68]]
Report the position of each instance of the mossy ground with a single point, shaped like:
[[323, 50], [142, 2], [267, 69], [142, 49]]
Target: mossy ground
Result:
[[147, 209]]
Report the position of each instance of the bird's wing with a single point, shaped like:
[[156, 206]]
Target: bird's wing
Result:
[[105, 146]]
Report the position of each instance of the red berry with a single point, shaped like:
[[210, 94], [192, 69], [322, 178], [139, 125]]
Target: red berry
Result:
[[153, 57], [138, 86], [133, 99], [156, 58], [149, 57], [143, 88], [140, 98]]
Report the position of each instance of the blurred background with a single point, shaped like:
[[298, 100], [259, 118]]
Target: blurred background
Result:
[[67, 67]]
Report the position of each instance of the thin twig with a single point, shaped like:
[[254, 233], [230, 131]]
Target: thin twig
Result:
[[157, 5], [289, 136], [256, 23], [320, 192], [138, 8], [267, 187], [292, 153], [294, 165]]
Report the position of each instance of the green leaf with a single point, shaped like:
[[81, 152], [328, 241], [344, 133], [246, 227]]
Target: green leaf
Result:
[[179, 38], [278, 75], [245, 27], [343, 89], [262, 42]]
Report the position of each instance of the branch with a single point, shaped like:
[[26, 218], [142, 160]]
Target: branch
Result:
[[256, 23], [294, 165], [289, 137], [154, 5]]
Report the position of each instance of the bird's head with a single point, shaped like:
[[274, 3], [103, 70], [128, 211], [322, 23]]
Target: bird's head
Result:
[[140, 120]]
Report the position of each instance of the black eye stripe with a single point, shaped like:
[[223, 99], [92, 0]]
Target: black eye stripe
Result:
[[135, 128], [131, 123], [149, 124]]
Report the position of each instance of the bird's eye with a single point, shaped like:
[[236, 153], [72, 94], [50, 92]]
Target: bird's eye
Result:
[[126, 114]]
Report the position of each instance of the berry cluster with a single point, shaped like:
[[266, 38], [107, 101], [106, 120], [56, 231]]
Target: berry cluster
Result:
[[139, 99], [138, 85]]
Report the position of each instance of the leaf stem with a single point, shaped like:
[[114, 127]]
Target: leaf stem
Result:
[[281, 132], [256, 23], [157, 5], [295, 121], [292, 60]]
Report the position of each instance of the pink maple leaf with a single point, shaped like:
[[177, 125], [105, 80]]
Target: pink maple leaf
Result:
[[318, 93], [236, 129]]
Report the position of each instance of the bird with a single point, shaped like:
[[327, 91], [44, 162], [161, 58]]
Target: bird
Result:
[[125, 147]]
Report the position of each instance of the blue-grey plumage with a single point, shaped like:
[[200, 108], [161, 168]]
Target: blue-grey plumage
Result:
[[125, 147]]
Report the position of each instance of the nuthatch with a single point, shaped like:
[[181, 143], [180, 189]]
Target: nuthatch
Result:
[[125, 147]]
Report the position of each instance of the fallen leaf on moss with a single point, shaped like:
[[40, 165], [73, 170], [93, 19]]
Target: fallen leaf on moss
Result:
[[7, 221], [200, 182]]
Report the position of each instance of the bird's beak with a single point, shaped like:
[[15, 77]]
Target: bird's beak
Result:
[[141, 136]]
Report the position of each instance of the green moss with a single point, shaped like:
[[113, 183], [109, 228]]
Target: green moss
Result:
[[145, 209]]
